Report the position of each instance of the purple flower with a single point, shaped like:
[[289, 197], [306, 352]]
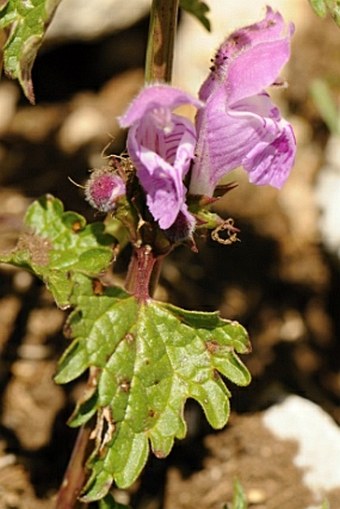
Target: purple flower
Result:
[[239, 125], [161, 145]]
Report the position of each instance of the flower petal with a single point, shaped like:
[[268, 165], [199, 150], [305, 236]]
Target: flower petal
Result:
[[250, 59], [270, 28], [155, 97], [164, 198], [271, 164], [162, 160], [246, 134], [256, 69]]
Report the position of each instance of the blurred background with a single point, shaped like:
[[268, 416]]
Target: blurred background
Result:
[[282, 281]]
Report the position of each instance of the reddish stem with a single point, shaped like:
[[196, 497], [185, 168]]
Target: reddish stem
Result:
[[140, 273]]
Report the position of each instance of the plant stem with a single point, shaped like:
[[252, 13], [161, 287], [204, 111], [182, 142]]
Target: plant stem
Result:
[[158, 68], [74, 477], [140, 272], [162, 31]]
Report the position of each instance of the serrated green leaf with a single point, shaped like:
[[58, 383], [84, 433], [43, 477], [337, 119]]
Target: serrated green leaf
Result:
[[151, 357], [198, 9], [28, 21], [321, 7], [59, 245]]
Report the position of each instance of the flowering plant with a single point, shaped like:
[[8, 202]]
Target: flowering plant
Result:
[[146, 358], [236, 125]]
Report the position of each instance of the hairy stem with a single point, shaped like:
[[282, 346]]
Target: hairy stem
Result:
[[138, 279]]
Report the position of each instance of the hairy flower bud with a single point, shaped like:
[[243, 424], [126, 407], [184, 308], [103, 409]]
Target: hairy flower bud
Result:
[[103, 189]]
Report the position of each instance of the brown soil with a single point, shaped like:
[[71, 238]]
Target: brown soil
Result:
[[248, 452]]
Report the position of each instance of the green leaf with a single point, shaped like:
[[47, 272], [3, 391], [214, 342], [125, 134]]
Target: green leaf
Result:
[[319, 7], [239, 498], [322, 7], [324, 102], [27, 21], [198, 9], [85, 408], [150, 358], [59, 245], [109, 503]]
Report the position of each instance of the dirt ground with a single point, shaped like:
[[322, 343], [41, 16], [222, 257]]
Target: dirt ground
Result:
[[279, 281]]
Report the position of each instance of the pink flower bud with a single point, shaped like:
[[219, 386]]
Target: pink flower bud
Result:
[[103, 189]]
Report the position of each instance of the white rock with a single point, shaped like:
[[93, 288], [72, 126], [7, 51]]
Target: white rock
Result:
[[327, 194], [318, 439], [88, 19]]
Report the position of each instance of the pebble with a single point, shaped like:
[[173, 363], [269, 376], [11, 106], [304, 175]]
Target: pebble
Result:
[[318, 438]]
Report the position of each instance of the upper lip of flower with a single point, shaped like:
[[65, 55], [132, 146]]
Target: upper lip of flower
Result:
[[155, 97], [161, 145], [238, 114]]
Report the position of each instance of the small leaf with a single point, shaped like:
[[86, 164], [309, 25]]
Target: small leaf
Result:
[[239, 498], [84, 410], [28, 21], [151, 357], [324, 102], [321, 7], [198, 9], [72, 364], [58, 245], [99, 483]]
